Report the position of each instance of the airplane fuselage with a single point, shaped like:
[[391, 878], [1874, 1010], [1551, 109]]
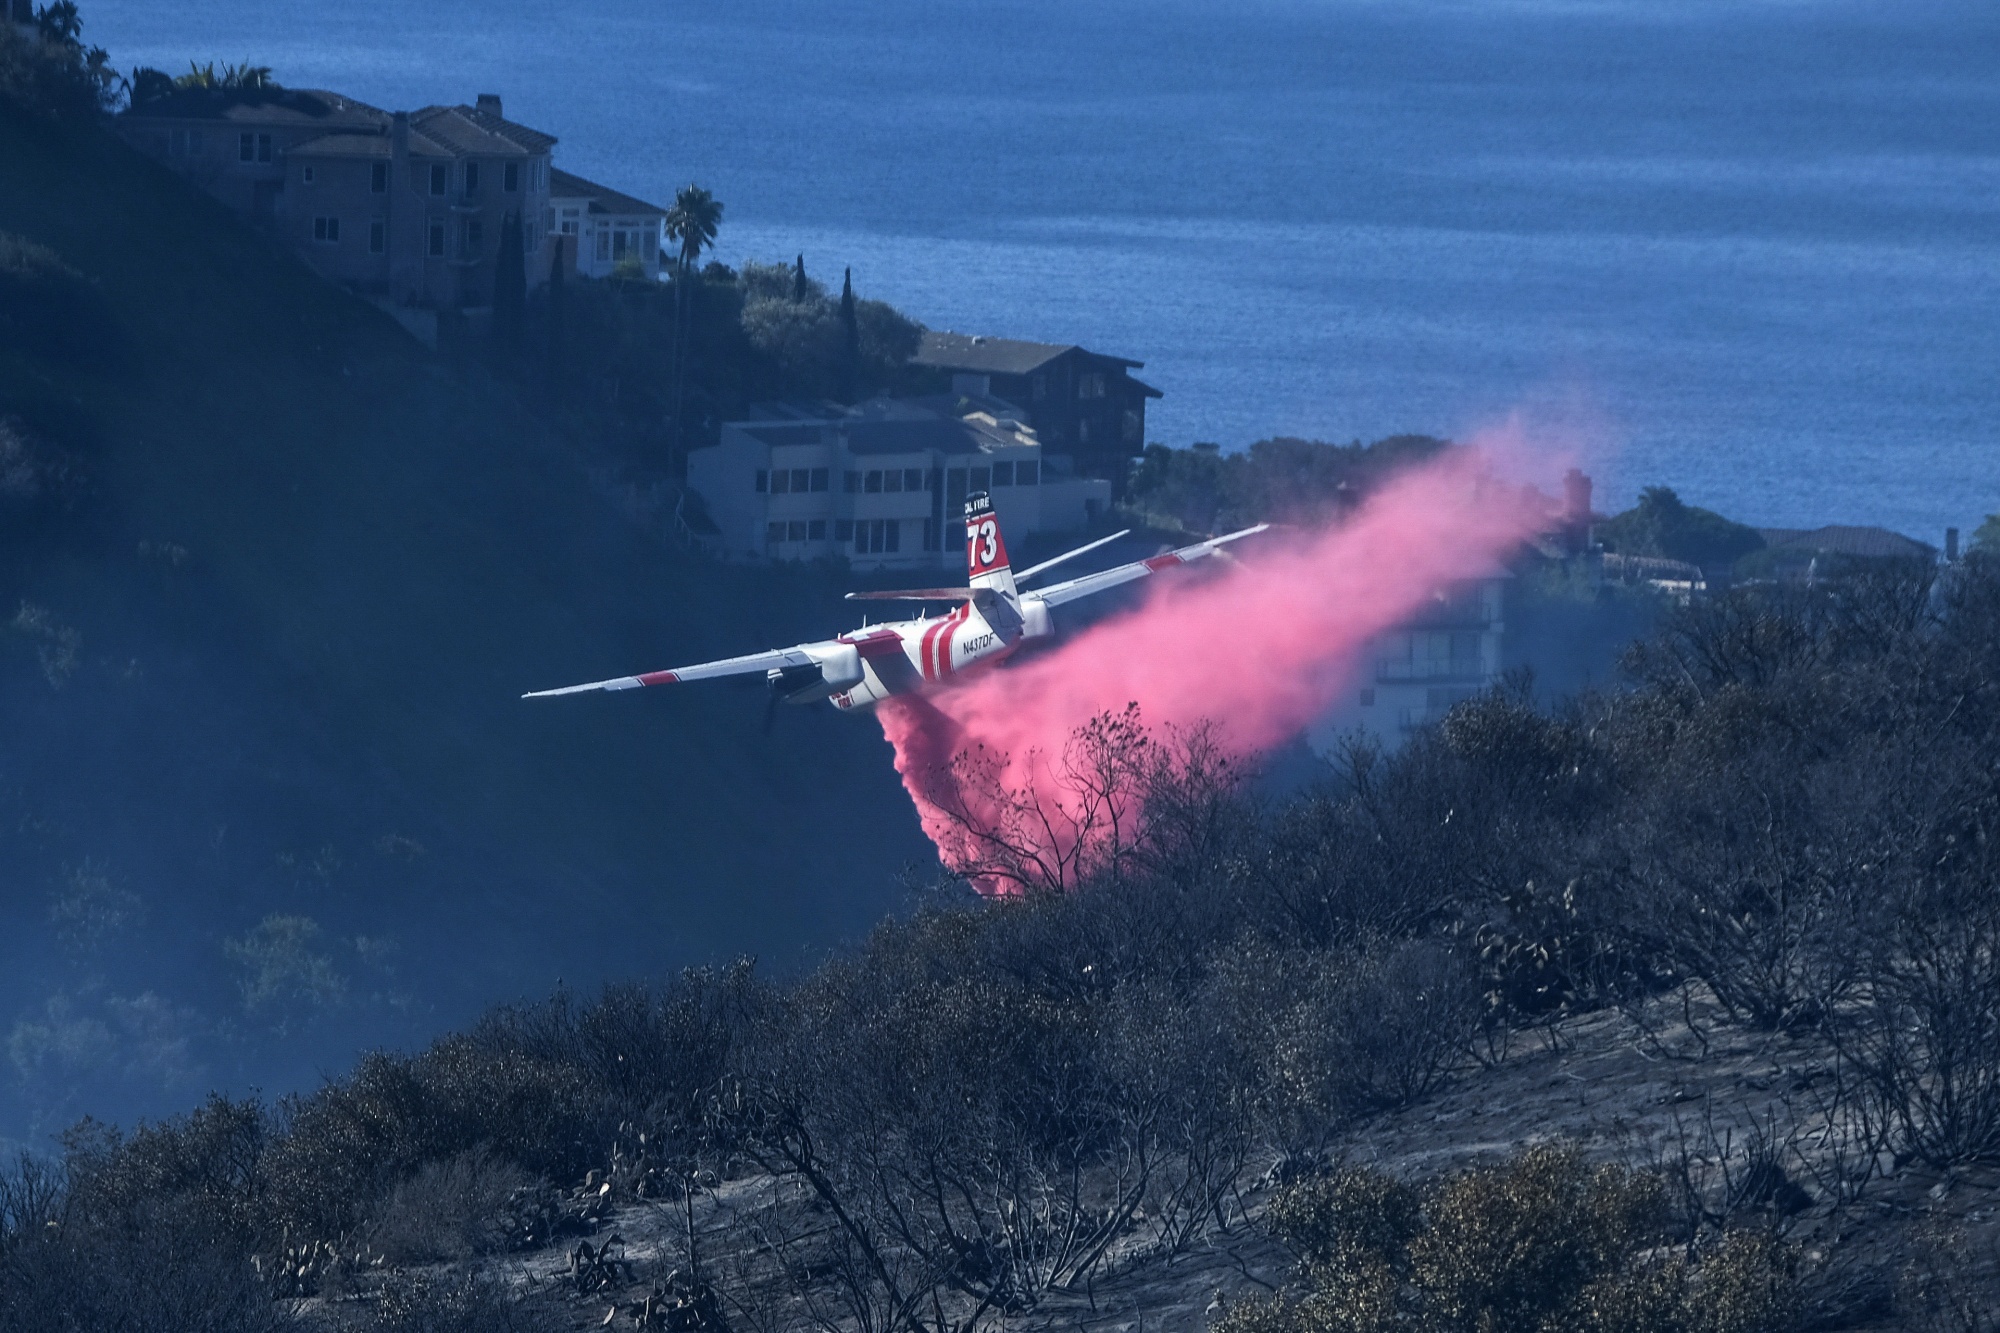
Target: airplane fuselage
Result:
[[908, 656]]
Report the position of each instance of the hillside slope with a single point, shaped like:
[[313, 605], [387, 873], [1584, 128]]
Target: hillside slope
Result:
[[271, 579]]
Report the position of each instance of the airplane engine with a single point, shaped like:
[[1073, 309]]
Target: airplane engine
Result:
[[838, 668], [1035, 622]]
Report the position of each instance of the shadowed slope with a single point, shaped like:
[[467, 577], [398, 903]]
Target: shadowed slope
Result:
[[263, 622]]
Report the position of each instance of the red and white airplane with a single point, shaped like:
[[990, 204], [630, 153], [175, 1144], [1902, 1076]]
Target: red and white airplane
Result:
[[992, 619]]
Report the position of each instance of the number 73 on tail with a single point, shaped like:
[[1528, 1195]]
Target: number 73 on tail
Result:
[[992, 617]]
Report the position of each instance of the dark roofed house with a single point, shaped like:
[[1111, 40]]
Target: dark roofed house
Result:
[[1865, 543], [1083, 404], [606, 227]]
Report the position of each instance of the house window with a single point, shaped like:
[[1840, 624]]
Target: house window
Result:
[[471, 179], [820, 477], [246, 148], [378, 178], [604, 245], [306, 175], [843, 529], [1090, 385], [801, 480], [872, 483], [475, 237], [892, 480], [913, 478], [510, 177], [930, 534], [378, 237], [876, 536], [816, 530], [982, 478], [569, 217], [795, 530], [781, 482], [1083, 432], [763, 481], [440, 177], [850, 482], [326, 230], [774, 533], [1003, 474], [437, 240], [618, 239]]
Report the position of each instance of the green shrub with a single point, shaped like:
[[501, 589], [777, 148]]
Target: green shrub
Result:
[[1543, 1243]]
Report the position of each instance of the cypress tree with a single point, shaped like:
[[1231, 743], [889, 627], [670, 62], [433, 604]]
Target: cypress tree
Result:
[[510, 288], [558, 314], [850, 339], [799, 282]]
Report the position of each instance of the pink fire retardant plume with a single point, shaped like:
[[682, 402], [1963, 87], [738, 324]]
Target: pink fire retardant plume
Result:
[[1261, 649]]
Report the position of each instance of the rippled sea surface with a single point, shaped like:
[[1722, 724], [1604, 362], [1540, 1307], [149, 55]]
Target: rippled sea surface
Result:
[[1746, 250]]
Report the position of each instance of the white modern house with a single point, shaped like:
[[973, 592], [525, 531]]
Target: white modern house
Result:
[[882, 484], [604, 228]]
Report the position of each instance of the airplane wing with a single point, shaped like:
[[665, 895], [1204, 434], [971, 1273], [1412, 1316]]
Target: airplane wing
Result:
[[728, 666], [914, 595], [1058, 593], [1027, 574]]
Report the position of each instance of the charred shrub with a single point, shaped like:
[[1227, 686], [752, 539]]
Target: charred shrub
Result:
[[452, 1303], [51, 311], [452, 1209]]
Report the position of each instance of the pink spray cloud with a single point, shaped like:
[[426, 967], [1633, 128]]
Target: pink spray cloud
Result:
[[1260, 649]]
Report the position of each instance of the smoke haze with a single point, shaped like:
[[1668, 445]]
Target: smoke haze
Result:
[[1259, 650]]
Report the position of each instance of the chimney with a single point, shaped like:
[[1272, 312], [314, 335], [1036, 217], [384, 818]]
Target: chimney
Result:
[[1951, 546], [1576, 510], [490, 103]]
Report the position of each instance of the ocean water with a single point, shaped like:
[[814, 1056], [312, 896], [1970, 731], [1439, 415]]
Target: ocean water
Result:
[[1744, 249]]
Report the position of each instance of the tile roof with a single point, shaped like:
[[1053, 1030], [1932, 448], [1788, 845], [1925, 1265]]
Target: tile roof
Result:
[[563, 185], [997, 356], [943, 435], [264, 106], [1837, 539], [468, 130], [367, 145]]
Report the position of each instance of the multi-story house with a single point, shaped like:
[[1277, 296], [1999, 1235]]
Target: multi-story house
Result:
[[1082, 404], [406, 207], [606, 229], [416, 213], [883, 484]]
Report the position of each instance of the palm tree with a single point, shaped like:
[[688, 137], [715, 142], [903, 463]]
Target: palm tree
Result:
[[692, 224]]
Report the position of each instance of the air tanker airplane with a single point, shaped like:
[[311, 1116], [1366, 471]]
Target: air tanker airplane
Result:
[[993, 618]]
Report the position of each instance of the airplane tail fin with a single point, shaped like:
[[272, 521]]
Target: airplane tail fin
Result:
[[985, 551]]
